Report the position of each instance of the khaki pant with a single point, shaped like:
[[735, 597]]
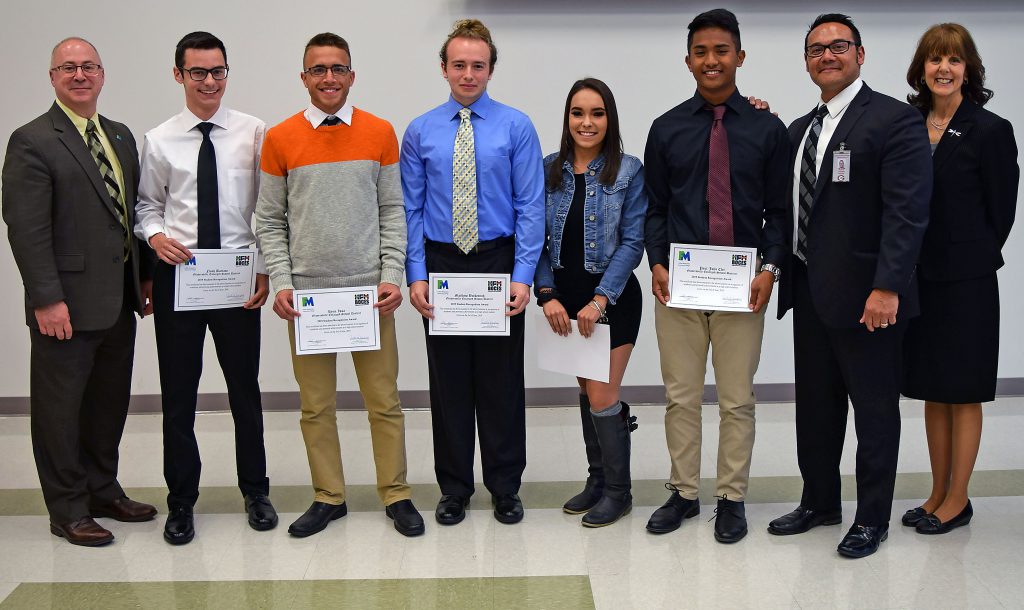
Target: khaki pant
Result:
[[684, 336], [377, 373]]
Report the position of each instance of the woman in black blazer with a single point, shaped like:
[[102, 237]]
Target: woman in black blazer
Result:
[[952, 349]]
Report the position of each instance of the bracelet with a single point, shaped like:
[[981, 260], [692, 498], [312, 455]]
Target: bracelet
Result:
[[543, 296], [597, 306]]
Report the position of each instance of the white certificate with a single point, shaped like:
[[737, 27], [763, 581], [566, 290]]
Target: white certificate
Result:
[[576, 355], [470, 304], [713, 278], [215, 279], [336, 320]]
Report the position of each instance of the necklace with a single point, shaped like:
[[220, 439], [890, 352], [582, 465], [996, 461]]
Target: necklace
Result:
[[938, 125]]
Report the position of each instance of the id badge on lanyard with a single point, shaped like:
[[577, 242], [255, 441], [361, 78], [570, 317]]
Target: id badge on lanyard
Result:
[[841, 164]]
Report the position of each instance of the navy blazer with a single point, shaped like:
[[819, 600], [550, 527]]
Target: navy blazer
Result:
[[974, 199], [865, 233], [63, 225]]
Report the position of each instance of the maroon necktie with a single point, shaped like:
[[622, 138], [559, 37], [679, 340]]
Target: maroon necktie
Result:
[[719, 188]]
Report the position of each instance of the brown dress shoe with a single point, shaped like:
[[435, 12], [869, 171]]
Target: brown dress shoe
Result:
[[125, 509], [84, 532]]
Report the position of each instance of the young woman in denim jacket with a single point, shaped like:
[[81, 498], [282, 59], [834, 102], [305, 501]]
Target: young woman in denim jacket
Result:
[[595, 213]]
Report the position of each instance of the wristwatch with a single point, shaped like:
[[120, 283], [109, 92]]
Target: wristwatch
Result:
[[775, 271]]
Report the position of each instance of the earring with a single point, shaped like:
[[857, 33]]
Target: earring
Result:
[[922, 80], [965, 80]]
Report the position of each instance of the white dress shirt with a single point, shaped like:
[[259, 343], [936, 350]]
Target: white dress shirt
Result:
[[836, 109], [168, 200], [315, 116]]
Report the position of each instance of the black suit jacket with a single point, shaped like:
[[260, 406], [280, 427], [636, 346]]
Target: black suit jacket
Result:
[[63, 225], [866, 233], [974, 199]]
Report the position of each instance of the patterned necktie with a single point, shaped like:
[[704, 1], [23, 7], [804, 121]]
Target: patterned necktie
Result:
[[330, 121], [206, 191], [719, 189], [107, 172], [464, 227], [808, 176]]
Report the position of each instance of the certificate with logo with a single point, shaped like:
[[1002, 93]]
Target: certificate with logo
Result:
[[470, 304], [336, 320], [711, 278], [215, 279]]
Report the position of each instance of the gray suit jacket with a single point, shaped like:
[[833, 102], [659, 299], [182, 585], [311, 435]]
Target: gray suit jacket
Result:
[[63, 225]]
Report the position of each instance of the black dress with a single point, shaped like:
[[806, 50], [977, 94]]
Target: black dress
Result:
[[576, 285]]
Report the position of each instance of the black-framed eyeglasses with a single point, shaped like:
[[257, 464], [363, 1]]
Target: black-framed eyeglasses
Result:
[[88, 68], [218, 73], [838, 47], [319, 71]]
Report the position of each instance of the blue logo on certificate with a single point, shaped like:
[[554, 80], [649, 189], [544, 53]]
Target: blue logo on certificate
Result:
[[307, 301], [684, 255], [442, 284]]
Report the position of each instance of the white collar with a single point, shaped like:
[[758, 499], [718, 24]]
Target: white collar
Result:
[[838, 104], [189, 120], [315, 116]]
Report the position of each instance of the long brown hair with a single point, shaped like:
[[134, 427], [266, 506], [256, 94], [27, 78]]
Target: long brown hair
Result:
[[612, 146], [947, 39]]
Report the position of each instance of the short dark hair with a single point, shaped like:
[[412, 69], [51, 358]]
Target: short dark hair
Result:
[[326, 39], [611, 147], [197, 40], [470, 28], [834, 18], [715, 18]]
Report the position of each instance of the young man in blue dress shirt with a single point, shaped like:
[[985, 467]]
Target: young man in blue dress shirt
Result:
[[474, 377]]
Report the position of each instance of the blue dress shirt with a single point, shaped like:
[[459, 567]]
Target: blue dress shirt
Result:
[[510, 182]]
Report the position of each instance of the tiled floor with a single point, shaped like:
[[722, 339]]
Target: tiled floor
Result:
[[482, 563]]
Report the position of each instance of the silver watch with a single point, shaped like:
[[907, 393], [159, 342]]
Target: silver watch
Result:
[[775, 271]]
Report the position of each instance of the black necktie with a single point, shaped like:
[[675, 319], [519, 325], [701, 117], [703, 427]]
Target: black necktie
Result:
[[209, 202], [331, 121], [808, 176]]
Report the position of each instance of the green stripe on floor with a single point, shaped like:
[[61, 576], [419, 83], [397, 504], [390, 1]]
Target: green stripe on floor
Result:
[[363, 498], [563, 592]]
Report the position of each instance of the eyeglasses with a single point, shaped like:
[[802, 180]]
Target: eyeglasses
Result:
[[319, 71], [218, 73], [89, 69], [838, 47]]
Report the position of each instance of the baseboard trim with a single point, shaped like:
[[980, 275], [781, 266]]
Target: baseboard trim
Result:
[[420, 399]]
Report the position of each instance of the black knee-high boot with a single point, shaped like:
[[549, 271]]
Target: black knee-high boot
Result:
[[586, 499], [617, 501]]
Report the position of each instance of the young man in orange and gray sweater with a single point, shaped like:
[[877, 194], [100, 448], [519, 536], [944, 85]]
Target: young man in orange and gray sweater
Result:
[[330, 214]]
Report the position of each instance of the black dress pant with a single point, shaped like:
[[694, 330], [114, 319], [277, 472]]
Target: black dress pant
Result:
[[833, 364], [79, 402], [180, 336], [477, 378]]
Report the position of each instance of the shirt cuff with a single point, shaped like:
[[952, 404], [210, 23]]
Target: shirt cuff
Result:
[[523, 274], [391, 275], [416, 272]]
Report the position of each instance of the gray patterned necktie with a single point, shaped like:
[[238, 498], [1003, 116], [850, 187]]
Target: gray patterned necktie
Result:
[[808, 177], [464, 220], [107, 172]]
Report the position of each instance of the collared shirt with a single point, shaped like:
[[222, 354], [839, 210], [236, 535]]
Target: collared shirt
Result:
[[80, 124], [315, 116], [168, 189], [836, 109], [676, 172], [510, 182]]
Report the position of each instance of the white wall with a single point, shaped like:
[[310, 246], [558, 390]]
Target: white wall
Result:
[[637, 48]]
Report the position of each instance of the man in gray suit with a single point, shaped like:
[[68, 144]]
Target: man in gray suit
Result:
[[69, 183]]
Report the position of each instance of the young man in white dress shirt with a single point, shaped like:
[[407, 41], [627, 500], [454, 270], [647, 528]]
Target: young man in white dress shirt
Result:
[[198, 190]]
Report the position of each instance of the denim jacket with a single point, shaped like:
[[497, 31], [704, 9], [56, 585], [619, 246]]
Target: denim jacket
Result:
[[613, 224]]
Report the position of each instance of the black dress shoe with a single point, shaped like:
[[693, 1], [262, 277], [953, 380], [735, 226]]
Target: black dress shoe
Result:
[[408, 520], [670, 516], [803, 519], [912, 516], [930, 524], [180, 526], [451, 509], [862, 540], [508, 508], [730, 521], [261, 513], [316, 518]]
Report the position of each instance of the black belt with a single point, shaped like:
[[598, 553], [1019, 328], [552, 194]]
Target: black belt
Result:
[[479, 248]]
